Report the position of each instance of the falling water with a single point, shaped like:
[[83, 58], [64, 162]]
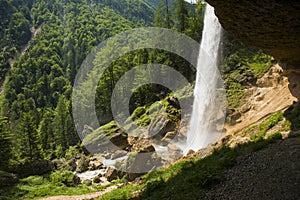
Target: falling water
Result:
[[207, 105]]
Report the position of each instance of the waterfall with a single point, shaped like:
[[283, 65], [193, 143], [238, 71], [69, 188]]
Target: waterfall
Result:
[[207, 106]]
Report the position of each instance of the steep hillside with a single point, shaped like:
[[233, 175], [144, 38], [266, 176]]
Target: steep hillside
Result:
[[43, 44], [156, 3]]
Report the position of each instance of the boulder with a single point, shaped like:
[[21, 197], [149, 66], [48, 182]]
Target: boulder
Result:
[[98, 142], [97, 179], [190, 152], [160, 125], [72, 164], [95, 164], [82, 164], [272, 78], [120, 140], [147, 149], [72, 183], [169, 136], [112, 174], [233, 118]]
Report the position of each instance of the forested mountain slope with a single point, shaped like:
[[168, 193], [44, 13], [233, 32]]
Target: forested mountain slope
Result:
[[43, 44], [38, 86]]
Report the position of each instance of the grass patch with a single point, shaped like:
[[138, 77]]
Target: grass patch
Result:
[[34, 187], [264, 127], [235, 95], [242, 67], [259, 69], [138, 112], [125, 192]]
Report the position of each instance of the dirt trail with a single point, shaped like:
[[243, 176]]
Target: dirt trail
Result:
[[83, 196], [34, 32]]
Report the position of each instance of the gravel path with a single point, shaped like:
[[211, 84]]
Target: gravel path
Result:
[[83, 196], [271, 173]]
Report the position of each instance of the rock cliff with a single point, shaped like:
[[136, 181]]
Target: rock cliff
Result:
[[271, 25]]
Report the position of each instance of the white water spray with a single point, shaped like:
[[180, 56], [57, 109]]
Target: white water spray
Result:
[[207, 107]]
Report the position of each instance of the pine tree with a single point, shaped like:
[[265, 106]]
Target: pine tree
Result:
[[63, 126], [59, 123], [5, 144], [29, 141], [162, 16], [181, 13], [46, 131]]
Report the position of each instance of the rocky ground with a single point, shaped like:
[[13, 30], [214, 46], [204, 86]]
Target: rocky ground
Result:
[[273, 92], [271, 173]]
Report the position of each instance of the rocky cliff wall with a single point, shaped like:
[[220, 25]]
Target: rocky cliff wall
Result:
[[272, 25]]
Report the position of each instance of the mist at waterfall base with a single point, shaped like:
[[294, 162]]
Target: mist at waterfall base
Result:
[[208, 106]]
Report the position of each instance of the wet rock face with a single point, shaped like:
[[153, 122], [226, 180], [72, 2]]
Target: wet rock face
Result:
[[271, 25]]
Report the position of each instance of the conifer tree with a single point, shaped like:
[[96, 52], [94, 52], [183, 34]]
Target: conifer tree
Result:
[[63, 126], [162, 16], [46, 131], [5, 144], [181, 13], [29, 141]]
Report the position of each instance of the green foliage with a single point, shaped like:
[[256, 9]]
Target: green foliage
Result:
[[138, 12], [264, 127], [235, 95], [34, 187], [163, 15], [29, 148], [40, 81], [125, 192], [181, 16], [65, 177], [64, 132], [73, 152], [46, 132], [19, 29], [241, 69], [5, 144], [138, 112], [144, 95], [258, 69], [14, 31]]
